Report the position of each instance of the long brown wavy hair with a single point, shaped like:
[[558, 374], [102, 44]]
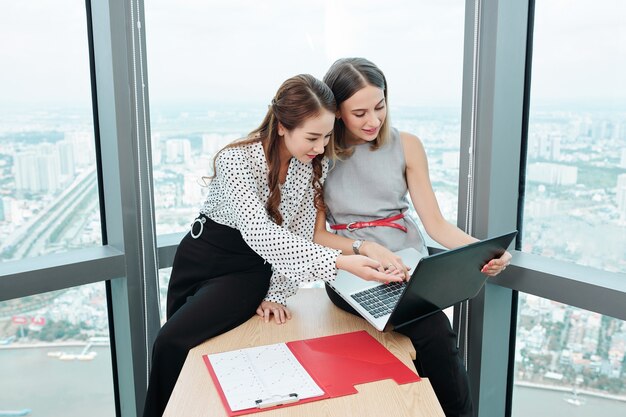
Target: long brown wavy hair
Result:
[[345, 77], [298, 99]]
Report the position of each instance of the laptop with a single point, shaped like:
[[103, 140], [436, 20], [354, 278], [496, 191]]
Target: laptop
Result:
[[437, 282]]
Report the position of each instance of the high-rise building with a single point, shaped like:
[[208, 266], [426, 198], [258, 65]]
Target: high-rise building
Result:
[[576, 331], [83, 147], [550, 147], [617, 351], [23, 167], [609, 131], [177, 151], [1, 210], [592, 333], [536, 339], [39, 171], [585, 127], [623, 158], [66, 158], [48, 168], [597, 129], [11, 210], [545, 146]]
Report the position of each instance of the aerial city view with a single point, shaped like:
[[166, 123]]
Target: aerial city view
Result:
[[575, 200]]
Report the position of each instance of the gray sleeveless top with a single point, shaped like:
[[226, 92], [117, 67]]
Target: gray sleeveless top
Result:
[[371, 185]]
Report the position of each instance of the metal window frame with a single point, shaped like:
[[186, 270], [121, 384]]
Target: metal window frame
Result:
[[121, 77]]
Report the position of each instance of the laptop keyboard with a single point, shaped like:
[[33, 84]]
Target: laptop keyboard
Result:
[[379, 301]]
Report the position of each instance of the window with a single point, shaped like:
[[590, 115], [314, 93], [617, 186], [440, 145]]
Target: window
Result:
[[52, 342], [575, 200], [200, 101], [55, 353], [567, 358], [48, 186]]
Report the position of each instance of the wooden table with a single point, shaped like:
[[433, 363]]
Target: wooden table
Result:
[[314, 315]]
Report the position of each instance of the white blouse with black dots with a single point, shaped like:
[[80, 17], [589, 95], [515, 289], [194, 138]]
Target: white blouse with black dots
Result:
[[237, 197]]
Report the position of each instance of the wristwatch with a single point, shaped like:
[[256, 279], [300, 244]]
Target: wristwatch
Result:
[[356, 245]]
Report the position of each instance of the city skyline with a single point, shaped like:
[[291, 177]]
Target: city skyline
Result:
[[558, 143], [553, 150]]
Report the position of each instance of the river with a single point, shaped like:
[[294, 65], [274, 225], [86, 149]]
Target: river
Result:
[[50, 387]]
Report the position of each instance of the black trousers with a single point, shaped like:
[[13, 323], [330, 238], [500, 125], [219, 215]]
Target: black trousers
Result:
[[437, 358], [217, 283]]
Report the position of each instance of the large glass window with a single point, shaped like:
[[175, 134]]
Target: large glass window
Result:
[[54, 347], [215, 66], [575, 204], [568, 359], [48, 186], [55, 354]]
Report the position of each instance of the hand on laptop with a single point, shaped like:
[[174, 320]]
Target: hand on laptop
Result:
[[390, 263], [497, 265], [280, 312], [366, 268]]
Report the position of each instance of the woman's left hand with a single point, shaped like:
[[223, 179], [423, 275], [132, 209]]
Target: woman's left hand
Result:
[[280, 312], [497, 265], [390, 263]]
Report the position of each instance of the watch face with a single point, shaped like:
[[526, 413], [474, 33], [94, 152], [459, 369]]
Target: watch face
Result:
[[356, 245]]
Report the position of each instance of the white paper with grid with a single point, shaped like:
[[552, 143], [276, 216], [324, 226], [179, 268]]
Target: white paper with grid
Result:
[[264, 373]]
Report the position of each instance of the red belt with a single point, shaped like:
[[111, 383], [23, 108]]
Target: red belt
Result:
[[388, 222]]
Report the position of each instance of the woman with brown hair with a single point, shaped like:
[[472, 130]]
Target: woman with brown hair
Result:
[[257, 223]]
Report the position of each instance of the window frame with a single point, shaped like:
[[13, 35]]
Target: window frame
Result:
[[132, 254]]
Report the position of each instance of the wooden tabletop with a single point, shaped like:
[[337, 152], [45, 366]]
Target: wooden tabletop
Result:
[[314, 315]]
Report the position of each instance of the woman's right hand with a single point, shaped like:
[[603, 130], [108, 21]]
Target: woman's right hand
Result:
[[366, 268], [280, 312], [389, 261]]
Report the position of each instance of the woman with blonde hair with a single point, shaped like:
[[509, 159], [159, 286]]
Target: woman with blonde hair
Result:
[[366, 196]]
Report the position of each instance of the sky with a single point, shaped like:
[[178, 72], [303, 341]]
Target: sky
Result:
[[579, 50], [241, 50]]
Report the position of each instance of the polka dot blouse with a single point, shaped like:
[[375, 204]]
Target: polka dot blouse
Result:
[[237, 197]]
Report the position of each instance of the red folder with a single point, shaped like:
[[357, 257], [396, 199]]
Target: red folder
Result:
[[337, 363]]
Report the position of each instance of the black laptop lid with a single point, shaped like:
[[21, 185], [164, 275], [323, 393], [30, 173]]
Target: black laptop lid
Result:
[[446, 278]]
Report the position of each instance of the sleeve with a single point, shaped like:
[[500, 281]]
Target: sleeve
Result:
[[292, 256], [281, 287], [303, 224]]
